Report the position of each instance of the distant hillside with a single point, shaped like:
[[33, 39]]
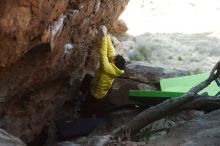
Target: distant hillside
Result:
[[192, 52]]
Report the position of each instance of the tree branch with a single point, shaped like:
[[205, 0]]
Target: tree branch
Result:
[[204, 102], [159, 111]]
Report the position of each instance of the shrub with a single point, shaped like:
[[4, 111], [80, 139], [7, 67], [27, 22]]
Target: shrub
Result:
[[140, 53], [124, 37], [180, 58]]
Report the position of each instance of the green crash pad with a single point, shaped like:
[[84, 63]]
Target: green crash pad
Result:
[[184, 83], [151, 97], [174, 87], [154, 94]]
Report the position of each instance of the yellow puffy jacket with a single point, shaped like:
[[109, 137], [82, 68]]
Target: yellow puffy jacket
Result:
[[105, 74]]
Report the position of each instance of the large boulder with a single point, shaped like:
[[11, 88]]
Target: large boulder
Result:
[[44, 45], [139, 76], [119, 27], [142, 72], [201, 131]]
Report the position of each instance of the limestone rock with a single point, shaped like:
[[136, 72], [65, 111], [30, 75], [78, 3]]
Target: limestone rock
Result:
[[119, 27], [119, 48], [138, 76], [35, 64], [201, 131], [142, 72], [118, 94]]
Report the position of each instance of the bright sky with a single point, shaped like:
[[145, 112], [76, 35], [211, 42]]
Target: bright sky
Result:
[[168, 16]]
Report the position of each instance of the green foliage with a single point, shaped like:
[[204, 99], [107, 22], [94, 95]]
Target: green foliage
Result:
[[124, 37], [180, 58], [136, 56], [197, 71], [141, 53]]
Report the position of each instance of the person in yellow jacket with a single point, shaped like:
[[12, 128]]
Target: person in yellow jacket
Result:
[[111, 66]]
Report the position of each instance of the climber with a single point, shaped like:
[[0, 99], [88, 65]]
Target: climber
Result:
[[111, 66]]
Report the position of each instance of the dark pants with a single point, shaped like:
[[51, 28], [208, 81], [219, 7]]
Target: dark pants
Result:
[[92, 106], [85, 84]]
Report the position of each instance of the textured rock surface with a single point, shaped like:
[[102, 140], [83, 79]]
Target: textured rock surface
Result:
[[138, 76], [201, 131], [119, 27], [34, 65], [7, 139], [118, 95], [141, 72]]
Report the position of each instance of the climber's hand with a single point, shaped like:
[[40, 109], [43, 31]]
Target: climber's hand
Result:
[[103, 30]]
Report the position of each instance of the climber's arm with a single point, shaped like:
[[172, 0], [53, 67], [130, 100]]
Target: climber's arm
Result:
[[111, 49], [103, 52], [104, 61]]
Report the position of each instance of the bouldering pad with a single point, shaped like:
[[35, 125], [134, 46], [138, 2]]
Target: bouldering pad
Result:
[[77, 127], [185, 83]]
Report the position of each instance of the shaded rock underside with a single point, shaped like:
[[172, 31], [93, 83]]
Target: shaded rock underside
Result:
[[37, 73]]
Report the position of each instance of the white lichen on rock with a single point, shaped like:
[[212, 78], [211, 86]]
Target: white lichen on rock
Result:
[[55, 29]]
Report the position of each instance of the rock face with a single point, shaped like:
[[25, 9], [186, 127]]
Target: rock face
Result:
[[201, 131], [44, 45], [119, 27], [139, 71], [7, 139]]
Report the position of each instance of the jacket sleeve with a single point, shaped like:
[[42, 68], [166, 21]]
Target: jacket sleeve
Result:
[[111, 49], [104, 63], [103, 52]]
